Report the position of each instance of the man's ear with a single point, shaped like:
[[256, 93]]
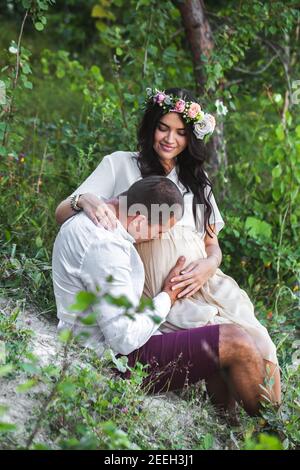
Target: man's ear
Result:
[[138, 221]]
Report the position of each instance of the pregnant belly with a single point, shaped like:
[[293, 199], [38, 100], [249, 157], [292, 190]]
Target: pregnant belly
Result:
[[160, 255]]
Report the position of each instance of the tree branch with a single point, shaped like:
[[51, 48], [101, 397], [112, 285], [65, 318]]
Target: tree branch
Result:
[[257, 72]]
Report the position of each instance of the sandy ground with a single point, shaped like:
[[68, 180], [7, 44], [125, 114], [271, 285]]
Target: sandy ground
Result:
[[44, 344]]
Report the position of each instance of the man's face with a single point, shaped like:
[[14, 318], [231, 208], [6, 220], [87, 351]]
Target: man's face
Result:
[[140, 229]]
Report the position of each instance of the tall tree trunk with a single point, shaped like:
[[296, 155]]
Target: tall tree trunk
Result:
[[200, 39]]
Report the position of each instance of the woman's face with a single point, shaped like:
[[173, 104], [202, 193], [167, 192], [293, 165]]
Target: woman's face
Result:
[[170, 139]]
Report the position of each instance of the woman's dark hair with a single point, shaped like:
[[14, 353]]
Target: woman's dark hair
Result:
[[190, 162]]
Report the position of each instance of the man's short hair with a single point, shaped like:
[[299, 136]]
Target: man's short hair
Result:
[[156, 197]]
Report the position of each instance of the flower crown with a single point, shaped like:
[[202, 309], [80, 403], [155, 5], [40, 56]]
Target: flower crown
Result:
[[203, 123]]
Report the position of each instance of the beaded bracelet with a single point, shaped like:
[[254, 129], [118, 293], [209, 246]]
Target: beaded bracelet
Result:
[[74, 201]]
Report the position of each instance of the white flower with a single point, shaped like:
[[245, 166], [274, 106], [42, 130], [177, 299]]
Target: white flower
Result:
[[13, 50], [221, 108], [149, 91], [168, 100], [206, 126]]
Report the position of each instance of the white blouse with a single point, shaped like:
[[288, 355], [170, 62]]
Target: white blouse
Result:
[[119, 170]]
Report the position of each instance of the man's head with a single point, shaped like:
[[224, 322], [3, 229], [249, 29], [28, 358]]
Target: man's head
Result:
[[150, 207]]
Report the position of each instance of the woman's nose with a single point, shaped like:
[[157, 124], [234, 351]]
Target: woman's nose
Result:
[[170, 138]]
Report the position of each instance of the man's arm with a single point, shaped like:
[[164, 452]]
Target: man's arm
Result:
[[121, 333]]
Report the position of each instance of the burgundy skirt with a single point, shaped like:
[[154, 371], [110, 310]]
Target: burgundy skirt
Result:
[[177, 359]]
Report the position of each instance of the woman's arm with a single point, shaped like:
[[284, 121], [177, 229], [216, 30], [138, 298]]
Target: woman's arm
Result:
[[63, 211], [95, 209], [102, 182], [213, 250]]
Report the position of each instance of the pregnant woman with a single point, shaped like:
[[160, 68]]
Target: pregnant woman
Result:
[[171, 143]]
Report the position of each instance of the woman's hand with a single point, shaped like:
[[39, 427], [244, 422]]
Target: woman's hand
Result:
[[194, 276], [97, 211]]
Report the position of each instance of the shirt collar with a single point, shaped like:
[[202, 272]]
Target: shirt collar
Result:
[[124, 233]]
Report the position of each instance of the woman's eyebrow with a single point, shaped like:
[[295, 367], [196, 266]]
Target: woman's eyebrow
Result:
[[181, 129]]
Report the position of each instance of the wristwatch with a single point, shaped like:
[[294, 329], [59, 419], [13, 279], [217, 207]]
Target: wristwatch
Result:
[[74, 201]]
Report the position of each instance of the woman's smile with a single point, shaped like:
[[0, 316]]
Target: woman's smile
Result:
[[167, 148]]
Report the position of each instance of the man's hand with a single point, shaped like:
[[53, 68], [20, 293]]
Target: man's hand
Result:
[[97, 211], [167, 287]]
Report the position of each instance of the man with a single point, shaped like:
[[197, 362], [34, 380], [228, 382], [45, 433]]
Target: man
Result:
[[85, 256]]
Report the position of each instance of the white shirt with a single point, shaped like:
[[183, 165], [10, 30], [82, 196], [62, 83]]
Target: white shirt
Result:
[[119, 170], [84, 255]]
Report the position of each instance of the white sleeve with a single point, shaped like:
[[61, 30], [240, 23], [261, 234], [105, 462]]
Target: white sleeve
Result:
[[121, 333], [101, 182]]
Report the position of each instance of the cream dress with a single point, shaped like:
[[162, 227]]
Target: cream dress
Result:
[[220, 300]]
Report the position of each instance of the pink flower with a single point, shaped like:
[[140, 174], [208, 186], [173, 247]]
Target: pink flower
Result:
[[194, 109], [159, 97], [179, 106]]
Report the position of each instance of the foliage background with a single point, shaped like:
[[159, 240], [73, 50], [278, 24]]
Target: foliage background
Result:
[[84, 67]]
